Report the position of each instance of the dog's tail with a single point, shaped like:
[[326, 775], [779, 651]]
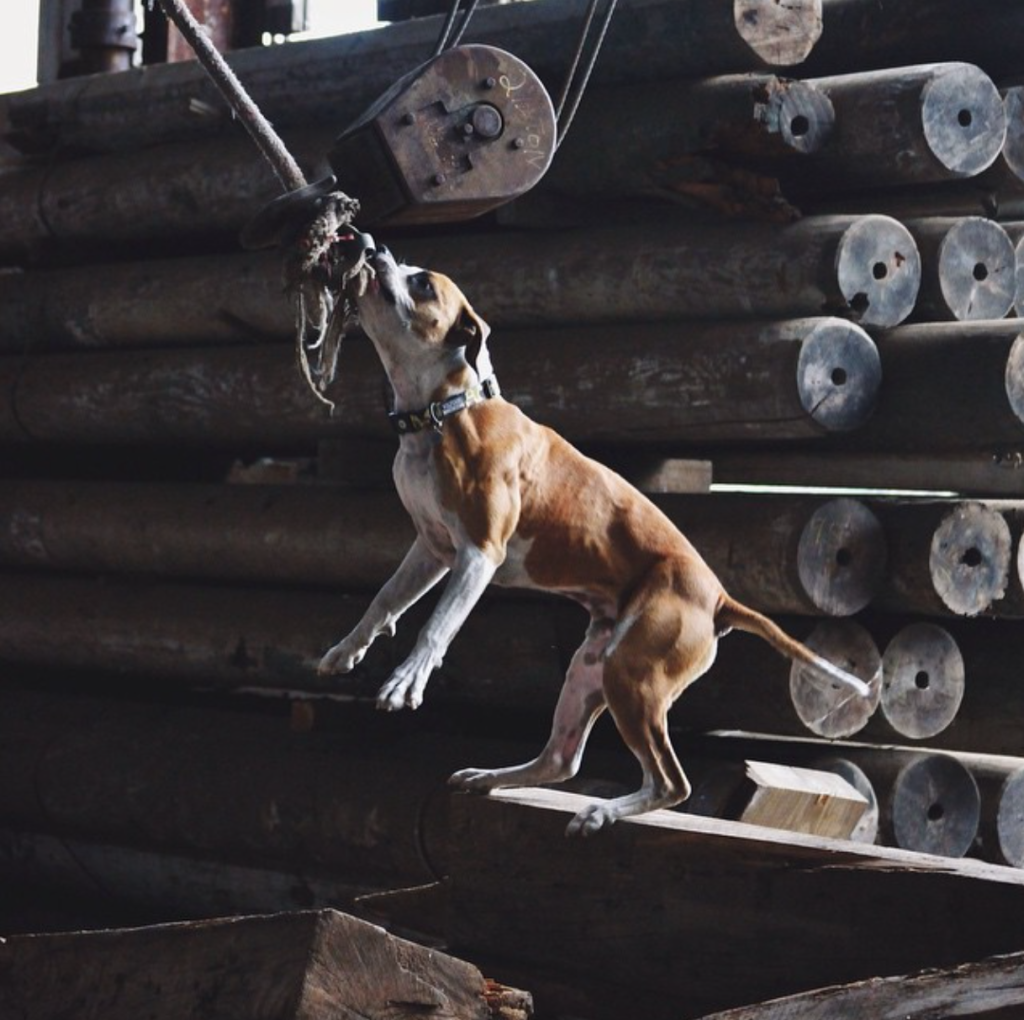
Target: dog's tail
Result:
[[733, 614]]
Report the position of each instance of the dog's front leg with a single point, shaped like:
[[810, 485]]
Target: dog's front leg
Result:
[[471, 574], [417, 574]]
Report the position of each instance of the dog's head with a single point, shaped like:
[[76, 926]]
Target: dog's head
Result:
[[408, 305]]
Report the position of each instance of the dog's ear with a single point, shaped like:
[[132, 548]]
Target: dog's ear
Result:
[[469, 331]]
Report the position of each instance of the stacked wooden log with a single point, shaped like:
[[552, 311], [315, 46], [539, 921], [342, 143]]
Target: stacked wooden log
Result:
[[782, 239]]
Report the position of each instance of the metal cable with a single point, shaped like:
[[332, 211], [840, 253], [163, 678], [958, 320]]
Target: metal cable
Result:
[[446, 28], [470, 11], [565, 119]]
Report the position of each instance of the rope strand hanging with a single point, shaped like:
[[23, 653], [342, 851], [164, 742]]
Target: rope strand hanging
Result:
[[317, 274]]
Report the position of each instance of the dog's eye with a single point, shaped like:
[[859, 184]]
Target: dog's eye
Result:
[[421, 287]]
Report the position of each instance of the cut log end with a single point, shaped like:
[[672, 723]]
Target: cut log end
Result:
[[936, 806], [1013, 149], [841, 557], [780, 34], [1018, 288], [977, 270], [1010, 820], [923, 683], [813, 801], [970, 558], [1014, 377], [866, 830], [878, 269], [805, 116], [839, 374], [831, 709], [964, 119]]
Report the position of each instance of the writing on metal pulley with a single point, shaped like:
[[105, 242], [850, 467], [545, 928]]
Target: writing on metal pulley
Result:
[[467, 131]]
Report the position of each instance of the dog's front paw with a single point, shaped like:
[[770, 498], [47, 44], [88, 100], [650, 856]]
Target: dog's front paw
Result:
[[406, 686], [343, 657], [403, 690], [590, 820], [474, 780]]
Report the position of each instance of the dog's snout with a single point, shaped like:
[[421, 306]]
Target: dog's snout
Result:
[[381, 252]]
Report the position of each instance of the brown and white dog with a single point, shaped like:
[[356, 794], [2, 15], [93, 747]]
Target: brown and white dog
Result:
[[496, 497]]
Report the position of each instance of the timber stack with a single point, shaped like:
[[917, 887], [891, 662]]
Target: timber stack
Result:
[[782, 246]]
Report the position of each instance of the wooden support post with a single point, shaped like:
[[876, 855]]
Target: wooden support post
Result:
[[946, 557], [917, 788], [363, 801], [722, 790], [330, 82], [268, 641], [798, 800], [624, 915], [784, 554], [1001, 830], [642, 138], [827, 709], [1015, 231], [989, 708], [906, 125], [307, 966], [968, 269], [864, 268], [923, 684], [970, 370], [801, 379], [927, 802], [1013, 150]]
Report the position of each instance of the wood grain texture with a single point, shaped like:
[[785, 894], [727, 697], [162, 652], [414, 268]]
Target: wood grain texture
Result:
[[654, 916], [989, 990], [308, 966]]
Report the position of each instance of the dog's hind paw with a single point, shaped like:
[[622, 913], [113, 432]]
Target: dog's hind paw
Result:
[[473, 780], [591, 819]]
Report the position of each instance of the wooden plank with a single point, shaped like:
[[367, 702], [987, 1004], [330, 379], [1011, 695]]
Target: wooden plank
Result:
[[982, 473], [800, 800], [152, 885], [990, 990], [671, 916], [305, 966]]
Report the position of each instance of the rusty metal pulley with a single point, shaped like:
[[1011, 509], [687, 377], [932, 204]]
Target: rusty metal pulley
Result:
[[467, 131]]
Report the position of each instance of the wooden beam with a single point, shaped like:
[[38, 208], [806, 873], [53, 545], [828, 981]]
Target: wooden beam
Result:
[[332, 81], [981, 473], [968, 269], [119, 884], [364, 801], [305, 966], [992, 989], [906, 125], [859, 34], [795, 380], [653, 915], [799, 800], [781, 553]]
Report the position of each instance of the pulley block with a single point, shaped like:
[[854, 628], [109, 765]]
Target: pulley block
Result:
[[469, 130]]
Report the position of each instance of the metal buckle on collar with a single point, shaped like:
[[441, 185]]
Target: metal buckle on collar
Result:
[[435, 412]]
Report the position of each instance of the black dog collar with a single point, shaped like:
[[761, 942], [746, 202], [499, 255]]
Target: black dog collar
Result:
[[433, 416]]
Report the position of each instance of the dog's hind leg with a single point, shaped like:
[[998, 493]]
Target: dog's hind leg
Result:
[[668, 645], [580, 703]]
